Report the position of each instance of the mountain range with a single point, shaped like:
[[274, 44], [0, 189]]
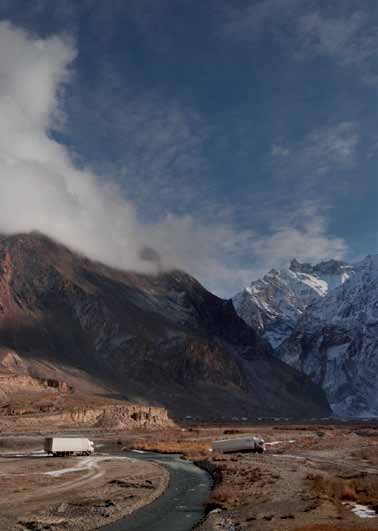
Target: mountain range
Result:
[[157, 339], [323, 320]]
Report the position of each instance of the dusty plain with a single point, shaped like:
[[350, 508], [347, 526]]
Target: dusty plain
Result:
[[75, 493], [309, 479]]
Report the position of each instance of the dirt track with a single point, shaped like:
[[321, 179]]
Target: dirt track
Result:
[[308, 480], [74, 493]]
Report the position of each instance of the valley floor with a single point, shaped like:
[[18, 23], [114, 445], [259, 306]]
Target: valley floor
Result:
[[76, 493], [313, 477]]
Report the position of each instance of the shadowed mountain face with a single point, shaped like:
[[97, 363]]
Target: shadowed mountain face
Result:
[[160, 339]]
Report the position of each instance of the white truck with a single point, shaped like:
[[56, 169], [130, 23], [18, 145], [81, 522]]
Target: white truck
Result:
[[240, 444], [64, 446]]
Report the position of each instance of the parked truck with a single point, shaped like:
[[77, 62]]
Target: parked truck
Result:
[[240, 444], [65, 446]]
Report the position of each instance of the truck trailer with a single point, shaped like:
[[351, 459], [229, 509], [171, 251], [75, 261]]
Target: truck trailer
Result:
[[65, 446], [240, 444]]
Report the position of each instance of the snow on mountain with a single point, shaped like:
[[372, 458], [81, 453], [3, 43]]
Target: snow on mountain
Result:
[[335, 342], [275, 303]]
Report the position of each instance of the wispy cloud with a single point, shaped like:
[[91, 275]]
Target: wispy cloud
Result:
[[42, 189], [336, 37], [250, 20], [349, 40], [279, 151], [308, 174], [162, 150], [345, 32], [308, 163], [301, 232]]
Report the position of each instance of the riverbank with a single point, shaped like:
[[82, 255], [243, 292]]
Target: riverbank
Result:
[[313, 477], [77, 493], [180, 508]]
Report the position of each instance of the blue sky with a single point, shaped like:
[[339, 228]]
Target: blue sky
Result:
[[245, 130]]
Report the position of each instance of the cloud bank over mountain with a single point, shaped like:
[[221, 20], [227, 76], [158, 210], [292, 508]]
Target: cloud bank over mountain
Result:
[[40, 187], [43, 188]]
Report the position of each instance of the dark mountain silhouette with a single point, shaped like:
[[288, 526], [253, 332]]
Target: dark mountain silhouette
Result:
[[161, 339]]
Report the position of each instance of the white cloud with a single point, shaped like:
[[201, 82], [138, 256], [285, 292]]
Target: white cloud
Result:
[[42, 189]]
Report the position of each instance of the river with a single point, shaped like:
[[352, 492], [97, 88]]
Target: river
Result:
[[180, 508]]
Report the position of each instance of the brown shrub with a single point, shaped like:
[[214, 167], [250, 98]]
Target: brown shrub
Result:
[[348, 492], [224, 495], [187, 447], [363, 489]]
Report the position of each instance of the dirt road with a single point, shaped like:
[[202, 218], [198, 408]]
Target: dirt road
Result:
[[74, 493]]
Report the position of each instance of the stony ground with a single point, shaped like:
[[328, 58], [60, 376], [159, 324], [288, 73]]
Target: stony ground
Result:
[[76, 493], [309, 479]]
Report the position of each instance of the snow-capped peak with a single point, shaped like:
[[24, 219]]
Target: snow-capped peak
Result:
[[274, 303], [335, 342]]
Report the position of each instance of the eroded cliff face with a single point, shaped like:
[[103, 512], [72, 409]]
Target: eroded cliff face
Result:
[[14, 383], [16, 379], [118, 417], [161, 340], [32, 402]]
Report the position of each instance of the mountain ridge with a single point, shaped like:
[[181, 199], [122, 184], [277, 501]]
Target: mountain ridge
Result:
[[336, 342], [274, 303], [161, 339], [323, 320]]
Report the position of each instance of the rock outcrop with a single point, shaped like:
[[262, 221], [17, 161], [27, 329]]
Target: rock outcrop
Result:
[[121, 417]]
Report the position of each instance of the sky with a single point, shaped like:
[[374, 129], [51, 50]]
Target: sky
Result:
[[222, 137]]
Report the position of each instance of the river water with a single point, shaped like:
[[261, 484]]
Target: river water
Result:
[[179, 508]]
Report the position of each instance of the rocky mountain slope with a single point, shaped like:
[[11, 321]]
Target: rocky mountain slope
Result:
[[274, 304], [162, 340], [336, 342], [35, 394]]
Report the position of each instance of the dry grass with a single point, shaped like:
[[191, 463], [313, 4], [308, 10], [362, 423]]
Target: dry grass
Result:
[[328, 527], [224, 496], [242, 478], [190, 448], [237, 475], [367, 455], [362, 489]]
